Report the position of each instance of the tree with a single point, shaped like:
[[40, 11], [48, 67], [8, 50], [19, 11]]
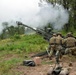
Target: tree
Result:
[[71, 7], [9, 31]]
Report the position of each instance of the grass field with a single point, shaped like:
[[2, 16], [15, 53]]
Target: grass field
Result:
[[14, 50]]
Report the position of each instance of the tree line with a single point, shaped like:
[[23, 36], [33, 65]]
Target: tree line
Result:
[[69, 5], [9, 31]]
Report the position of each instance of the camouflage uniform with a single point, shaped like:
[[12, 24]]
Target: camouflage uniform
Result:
[[52, 45], [59, 42], [70, 43]]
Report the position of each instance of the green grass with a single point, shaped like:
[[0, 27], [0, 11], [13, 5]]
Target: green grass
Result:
[[70, 30], [25, 43], [14, 50]]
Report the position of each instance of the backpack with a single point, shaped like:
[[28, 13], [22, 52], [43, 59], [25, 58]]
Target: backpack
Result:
[[29, 63]]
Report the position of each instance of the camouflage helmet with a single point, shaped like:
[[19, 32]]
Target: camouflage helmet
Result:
[[54, 34], [59, 34], [69, 34]]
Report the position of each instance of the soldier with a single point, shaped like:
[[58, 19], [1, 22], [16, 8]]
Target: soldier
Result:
[[71, 35], [59, 42], [70, 43], [52, 45]]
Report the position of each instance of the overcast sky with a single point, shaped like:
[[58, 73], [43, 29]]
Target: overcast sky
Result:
[[14, 9]]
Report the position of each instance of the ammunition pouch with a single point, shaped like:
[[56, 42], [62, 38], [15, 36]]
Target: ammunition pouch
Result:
[[54, 44], [74, 53], [70, 46], [63, 51]]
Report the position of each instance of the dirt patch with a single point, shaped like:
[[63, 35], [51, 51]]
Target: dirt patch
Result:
[[44, 67]]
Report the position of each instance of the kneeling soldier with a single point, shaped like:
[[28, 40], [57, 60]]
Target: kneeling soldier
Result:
[[70, 43], [52, 45]]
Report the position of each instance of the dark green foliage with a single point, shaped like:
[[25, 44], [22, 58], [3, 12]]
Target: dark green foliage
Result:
[[70, 5], [16, 36], [26, 43], [10, 31], [13, 51]]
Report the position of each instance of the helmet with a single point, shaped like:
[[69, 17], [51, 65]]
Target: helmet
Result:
[[54, 34], [59, 34], [69, 34]]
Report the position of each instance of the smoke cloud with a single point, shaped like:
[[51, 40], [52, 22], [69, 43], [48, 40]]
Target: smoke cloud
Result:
[[33, 13]]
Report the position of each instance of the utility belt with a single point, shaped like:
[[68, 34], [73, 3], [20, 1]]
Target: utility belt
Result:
[[54, 44], [70, 46]]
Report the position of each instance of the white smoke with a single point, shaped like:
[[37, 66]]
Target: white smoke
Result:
[[56, 15], [33, 13]]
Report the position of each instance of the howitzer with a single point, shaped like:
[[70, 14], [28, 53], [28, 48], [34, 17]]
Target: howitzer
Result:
[[46, 35]]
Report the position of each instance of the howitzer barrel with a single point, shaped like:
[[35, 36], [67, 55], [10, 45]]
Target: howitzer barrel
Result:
[[20, 23], [42, 32]]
